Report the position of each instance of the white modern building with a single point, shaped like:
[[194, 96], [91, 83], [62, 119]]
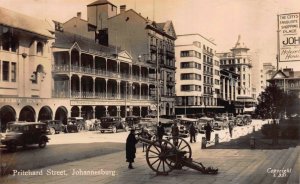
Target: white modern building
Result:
[[197, 74]]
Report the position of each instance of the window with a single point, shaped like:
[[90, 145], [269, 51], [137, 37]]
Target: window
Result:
[[186, 65], [187, 87], [5, 71], [39, 48], [244, 77], [13, 72], [185, 53], [187, 76]]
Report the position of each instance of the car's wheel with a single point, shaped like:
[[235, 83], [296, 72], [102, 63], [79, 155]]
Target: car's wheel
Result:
[[42, 143], [52, 131], [114, 129], [102, 131], [12, 147]]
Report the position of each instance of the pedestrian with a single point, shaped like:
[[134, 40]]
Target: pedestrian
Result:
[[130, 148], [275, 132], [160, 132], [175, 133], [230, 127], [192, 131], [208, 129]]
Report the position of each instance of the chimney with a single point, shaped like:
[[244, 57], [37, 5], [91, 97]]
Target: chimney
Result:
[[79, 15], [122, 9]]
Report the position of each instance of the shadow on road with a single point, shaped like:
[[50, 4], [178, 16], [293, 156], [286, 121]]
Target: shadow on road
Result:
[[261, 142], [33, 157]]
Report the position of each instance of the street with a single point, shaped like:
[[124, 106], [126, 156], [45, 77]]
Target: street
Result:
[[64, 148]]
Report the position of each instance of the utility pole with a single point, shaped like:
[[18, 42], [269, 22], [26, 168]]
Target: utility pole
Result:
[[157, 84], [126, 100]]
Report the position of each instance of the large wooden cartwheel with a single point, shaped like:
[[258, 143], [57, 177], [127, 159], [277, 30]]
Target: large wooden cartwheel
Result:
[[182, 146], [161, 156]]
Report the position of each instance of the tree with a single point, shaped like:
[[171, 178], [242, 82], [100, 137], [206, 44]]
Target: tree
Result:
[[271, 102]]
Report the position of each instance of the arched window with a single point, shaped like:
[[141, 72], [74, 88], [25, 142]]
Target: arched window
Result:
[[39, 48]]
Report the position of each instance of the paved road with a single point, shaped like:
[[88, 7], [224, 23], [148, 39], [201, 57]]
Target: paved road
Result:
[[235, 166], [64, 148]]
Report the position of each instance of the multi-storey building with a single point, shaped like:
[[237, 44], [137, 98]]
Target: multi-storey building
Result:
[[197, 74], [146, 41], [239, 61], [268, 71], [25, 68], [97, 80], [287, 80]]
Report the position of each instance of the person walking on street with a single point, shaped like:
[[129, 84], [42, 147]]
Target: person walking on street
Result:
[[130, 148], [230, 127], [160, 131], [208, 129], [192, 131], [175, 133]]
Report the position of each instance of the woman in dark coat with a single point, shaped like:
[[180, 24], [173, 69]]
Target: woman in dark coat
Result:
[[130, 148]]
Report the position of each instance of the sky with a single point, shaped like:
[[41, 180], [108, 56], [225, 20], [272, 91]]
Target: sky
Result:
[[219, 20]]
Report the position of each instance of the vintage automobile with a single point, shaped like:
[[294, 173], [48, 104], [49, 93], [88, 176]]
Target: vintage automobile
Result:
[[247, 119], [75, 124], [23, 134], [184, 125], [112, 124], [203, 121], [147, 126], [239, 120], [132, 121], [54, 126], [220, 123]]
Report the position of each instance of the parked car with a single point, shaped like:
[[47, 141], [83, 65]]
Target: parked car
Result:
[[23, 134], [133, 121], [239, 120], [247, 119], [75, 121], [148, 126], [54, 126], [184, 125], [203, 121], [220, 123], [112, 124]]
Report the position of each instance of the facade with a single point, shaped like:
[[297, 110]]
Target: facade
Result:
[[268, 71], [239, 61], [146, 41], [287, 80], [93, 81], [197, 74], [228, 89], [25, 68]]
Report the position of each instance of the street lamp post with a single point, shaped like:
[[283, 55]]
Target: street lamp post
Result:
[[126, 99], [157, 85]]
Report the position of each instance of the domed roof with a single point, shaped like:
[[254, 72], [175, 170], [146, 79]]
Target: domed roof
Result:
[[240, 45]]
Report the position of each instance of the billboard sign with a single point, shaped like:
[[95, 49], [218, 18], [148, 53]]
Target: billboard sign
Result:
[[289, 37]]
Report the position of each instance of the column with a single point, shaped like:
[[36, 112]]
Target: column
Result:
[[140, 91], [119, 111], [106, 110], [228, 94], [94, 86], [79, 107], [232, 89], [130, 90], [148, 91], [130, 110], [106, 88], [118, 89], [140, 111], [94, 112], [80, 92], [140, 75], [224, 88]]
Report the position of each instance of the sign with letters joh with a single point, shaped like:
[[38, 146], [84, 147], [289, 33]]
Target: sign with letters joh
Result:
[[289, 37]]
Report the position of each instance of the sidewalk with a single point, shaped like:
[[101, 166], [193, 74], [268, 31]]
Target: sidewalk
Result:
[[235, 166]]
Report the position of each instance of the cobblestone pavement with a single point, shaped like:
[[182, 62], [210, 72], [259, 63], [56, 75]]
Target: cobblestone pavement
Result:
[[235, 166]]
